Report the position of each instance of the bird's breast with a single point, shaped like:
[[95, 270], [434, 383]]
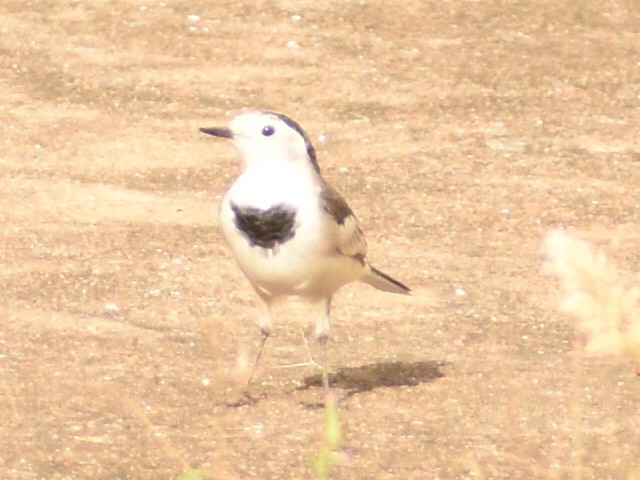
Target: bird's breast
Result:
[[265, 228]]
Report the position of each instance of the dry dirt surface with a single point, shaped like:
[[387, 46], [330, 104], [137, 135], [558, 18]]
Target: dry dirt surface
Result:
[[460, 131]]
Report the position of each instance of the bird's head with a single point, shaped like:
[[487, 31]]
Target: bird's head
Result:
[[262, 137]]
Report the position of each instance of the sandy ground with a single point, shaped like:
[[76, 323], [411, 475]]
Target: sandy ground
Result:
[[460, 131]]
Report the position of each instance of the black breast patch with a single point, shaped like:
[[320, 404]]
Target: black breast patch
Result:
[[266, 228]]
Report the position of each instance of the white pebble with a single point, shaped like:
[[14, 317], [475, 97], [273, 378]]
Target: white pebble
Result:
[[193, 18], [460, 292], [111, 307]]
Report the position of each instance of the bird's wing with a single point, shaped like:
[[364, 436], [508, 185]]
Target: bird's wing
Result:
[[348, 237]]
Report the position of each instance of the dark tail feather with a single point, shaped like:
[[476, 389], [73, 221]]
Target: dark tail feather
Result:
[[382, 281]]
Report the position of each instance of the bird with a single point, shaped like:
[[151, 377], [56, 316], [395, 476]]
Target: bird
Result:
[[290, 231]]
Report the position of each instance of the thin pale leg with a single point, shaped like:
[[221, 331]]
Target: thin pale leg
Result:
[[322, 334], [264, 322]]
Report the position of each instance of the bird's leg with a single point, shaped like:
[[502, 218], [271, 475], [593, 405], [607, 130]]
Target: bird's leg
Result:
[[325, 371], [265, 334], [264, 323], [322, 334]]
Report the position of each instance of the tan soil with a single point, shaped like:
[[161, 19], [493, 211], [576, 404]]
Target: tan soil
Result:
[[460, 131]]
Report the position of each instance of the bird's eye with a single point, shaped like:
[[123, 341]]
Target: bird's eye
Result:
[[268, 131]]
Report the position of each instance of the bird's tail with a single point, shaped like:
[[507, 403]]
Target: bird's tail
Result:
[[382, 281]]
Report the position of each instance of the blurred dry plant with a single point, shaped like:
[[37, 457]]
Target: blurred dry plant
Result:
[[606, 308]]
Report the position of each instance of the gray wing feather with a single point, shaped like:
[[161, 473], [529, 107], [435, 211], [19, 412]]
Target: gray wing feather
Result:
[[348, 236]]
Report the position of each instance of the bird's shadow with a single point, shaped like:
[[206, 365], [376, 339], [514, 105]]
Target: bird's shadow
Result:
[[355, 380], [386, 374]]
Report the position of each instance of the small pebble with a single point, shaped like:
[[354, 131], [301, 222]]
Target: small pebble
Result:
[[111, 308]]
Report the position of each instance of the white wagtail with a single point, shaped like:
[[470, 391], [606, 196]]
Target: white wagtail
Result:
[[290, 231]]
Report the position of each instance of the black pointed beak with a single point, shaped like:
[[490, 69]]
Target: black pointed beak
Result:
[[218, 132]]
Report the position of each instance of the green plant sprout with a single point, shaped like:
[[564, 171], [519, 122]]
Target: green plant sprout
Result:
[[330, 455]]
